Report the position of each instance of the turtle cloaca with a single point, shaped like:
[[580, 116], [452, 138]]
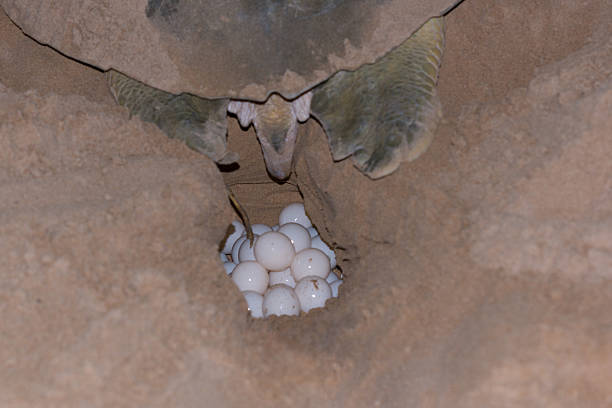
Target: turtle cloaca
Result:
[[380, 114]]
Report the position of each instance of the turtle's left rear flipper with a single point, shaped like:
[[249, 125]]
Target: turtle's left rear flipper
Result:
[[387, 112], [201, 123]]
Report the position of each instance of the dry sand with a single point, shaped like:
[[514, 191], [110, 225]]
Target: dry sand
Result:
[[479, 275]]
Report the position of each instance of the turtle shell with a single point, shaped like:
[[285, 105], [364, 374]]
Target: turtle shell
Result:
[[243, 49]]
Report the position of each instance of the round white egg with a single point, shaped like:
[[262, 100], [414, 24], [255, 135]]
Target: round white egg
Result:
[[312, 292], [246, 251], [318, 243], [250, 275], [229, 267], [254, 303], [310, 262], [280, 300], [299, 236], [233, 237], [236, 249], [334, 287], [274, 251], [260, 229], [283, 277], [223, 257], [294, 213]]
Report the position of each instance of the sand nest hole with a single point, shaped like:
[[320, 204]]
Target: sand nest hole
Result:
[[283, 269]]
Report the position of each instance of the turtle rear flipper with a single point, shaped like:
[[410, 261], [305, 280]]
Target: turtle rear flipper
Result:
[[201, 123], [387, 112]]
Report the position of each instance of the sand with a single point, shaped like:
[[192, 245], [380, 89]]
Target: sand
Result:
[[478, 275]]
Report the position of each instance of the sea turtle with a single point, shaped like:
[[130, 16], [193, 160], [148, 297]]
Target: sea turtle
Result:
[[381, 114], [271, 63]]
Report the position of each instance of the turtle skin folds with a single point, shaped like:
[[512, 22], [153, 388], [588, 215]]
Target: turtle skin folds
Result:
[[200, 123], [387, 112]]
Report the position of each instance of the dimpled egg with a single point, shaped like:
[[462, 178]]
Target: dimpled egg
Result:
[[254, 303], [274, 251], [318, 243], [283, 277], [312, 292], [233, 237], [299, 236], [280, 300], [250, 275], [260, 229], [246, 251], [294, 213], [236, 249], [334, 287], [229, 267], [310, 262], [313, 232], [332, 277]]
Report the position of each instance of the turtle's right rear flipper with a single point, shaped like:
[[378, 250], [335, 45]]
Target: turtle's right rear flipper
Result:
[[386, 112], [200, 123]]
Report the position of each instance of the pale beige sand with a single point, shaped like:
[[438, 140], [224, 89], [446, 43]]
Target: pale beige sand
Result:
[[479, 275]]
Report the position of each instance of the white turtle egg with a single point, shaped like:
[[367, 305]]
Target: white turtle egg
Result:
[[283, 277], [260, 229], [254, 303], [231, 239], [280, 300], [332, 277], [310, 262], [318, 243], [236, 248], [223, 257], [334, 287], [274, 251], [294, 213], [246, 251], [312, 292], [229, 267], [313, 232], [250, 275], [299, 236]]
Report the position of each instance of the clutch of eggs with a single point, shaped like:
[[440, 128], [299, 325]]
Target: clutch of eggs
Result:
[[287, 270]]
